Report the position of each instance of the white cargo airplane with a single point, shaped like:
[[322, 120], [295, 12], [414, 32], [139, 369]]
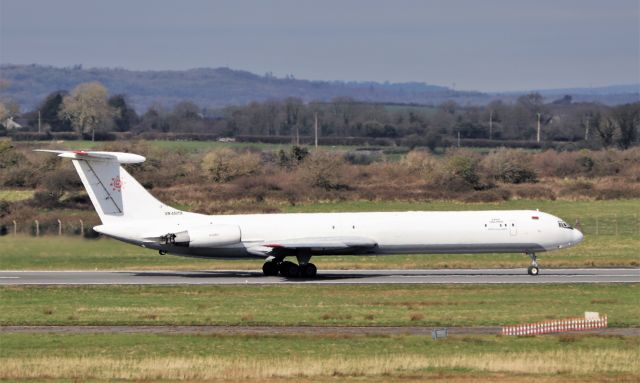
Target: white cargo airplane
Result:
[[130, 214]]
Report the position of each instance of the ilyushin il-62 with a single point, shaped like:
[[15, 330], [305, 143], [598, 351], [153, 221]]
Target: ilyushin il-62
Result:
[[131, 214]]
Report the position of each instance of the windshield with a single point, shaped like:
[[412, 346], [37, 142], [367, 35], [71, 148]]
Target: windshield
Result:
[[564, 225]]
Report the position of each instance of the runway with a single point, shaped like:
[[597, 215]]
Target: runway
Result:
[[230, 277]]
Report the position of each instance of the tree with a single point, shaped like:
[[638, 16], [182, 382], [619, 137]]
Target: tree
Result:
[[126, 116], [4, 113], [292, 107], [49, 112], [87, 108], [627, 119], [605, 126]]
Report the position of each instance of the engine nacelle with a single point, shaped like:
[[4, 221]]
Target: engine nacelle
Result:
[[206, 236]]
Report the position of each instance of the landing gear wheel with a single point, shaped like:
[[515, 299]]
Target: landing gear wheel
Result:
[[270, 268], [533, 269], [289, 269], [309, 270], [162, 252]]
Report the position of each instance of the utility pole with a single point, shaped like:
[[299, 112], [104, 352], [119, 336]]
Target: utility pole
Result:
[[315, 125], [538, 135], [39, 123], [586, 129], [491, 124]]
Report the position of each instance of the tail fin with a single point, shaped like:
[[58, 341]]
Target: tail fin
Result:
[[115, 194]]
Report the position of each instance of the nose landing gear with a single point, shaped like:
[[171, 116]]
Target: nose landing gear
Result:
[[533, 269]]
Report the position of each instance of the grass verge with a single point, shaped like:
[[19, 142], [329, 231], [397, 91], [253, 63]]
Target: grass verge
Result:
[[73, 253], [153, 357], [364, 305]]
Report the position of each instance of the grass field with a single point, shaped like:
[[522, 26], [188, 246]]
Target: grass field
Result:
[[366, 305], [15, 195], [73, 253], [152, 357], [325, 358]]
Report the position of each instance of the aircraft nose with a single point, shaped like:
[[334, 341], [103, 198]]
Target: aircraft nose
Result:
[[577, 235]]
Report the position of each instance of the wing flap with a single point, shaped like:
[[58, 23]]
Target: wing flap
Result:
[[316, 245]]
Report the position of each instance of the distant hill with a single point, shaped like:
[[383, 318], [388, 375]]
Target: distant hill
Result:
[[29, 84], [215, 88], [609, 95]]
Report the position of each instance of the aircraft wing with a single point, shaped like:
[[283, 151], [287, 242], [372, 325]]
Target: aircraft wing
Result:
[[320, 245]]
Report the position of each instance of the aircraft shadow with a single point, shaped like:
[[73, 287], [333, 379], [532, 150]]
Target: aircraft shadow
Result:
[[327, 276], [254, 275]]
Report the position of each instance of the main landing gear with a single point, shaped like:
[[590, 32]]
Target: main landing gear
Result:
[[304, 268], [533, 269]]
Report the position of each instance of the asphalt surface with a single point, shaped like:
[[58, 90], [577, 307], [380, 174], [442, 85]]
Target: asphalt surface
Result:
[[226, 277], [288, 330]]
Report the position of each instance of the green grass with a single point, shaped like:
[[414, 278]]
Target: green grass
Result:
[[141, 345], [154, 357], [15, 195], [366, 305], [73, 253]]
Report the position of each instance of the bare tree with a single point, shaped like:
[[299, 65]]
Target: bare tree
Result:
[[627, 117], [87, 108], [606, 127], [4, 112]]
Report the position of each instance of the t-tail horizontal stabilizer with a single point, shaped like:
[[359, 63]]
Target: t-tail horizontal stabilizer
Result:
[[115, 194], [123, 158]]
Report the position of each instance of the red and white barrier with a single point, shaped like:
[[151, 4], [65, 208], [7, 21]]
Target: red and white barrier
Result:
[[552, 326]]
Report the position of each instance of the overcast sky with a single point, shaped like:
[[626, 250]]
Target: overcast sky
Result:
[[488, 45]]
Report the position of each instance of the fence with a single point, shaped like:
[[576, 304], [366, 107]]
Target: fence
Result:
[[48, 227], [553, 326], [614, 224]]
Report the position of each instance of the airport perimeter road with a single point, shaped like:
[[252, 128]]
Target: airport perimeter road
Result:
[[285, 330], [459, 276]]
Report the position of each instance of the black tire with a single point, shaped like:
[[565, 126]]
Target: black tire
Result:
[[309, 270], [289, 269], [270, 268], [533, 270]]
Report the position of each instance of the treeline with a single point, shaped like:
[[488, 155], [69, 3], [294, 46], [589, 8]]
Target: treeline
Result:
[[89, 110]]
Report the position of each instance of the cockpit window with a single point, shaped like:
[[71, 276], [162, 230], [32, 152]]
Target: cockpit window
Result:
[[564, 225]]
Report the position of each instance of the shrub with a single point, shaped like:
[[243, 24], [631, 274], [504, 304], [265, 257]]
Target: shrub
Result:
[[223, 165], [47, 199], [509, 165], [324, 170], [461, 173], [421, 162]]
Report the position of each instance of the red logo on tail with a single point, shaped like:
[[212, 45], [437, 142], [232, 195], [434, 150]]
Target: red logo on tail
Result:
[[116, 183]]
